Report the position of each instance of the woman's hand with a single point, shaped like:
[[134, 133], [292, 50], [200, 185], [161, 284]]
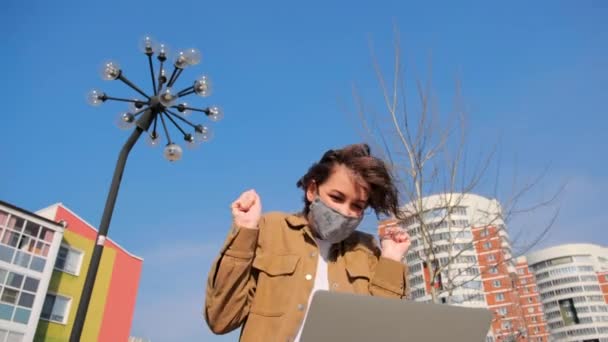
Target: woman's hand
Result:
[[247, 210], [395, 243]]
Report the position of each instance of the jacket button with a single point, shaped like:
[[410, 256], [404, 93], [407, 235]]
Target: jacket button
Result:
[[308, 277], [300, 307], [334, 285]]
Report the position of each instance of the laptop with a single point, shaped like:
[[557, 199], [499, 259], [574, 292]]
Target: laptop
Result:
[[338, 317]]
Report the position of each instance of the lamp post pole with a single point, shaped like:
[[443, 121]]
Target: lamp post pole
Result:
[[143, 116]]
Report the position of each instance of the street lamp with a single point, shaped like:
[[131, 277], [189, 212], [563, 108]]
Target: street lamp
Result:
[[164, 104]]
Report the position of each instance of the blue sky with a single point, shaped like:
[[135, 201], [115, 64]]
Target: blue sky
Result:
[[535, 75]]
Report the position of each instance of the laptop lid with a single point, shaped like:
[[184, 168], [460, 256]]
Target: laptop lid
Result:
[[340, 317]]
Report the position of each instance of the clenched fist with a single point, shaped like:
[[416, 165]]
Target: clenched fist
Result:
[[247, 210], [395, 243]]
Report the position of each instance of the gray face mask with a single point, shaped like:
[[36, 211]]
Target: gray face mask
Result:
[[329, 224]]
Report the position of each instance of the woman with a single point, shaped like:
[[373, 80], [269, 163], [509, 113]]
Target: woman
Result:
[[271, 264]]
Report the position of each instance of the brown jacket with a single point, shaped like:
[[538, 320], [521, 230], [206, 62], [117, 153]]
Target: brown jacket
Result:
[[263, 278]]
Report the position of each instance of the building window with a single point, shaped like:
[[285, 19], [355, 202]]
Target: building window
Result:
[[68, 260], [530, 310], [11, 336], [3, 217], [499, 297], [502, 311], [24, 243], [493, 270], [521, 271], [16, 223], [460, 210], [560, 261], [568, 311], [530, 300], [496, 283], [31, 229], [491, 257], [9, 295], [487, 245], [56, 308], [17, 296]]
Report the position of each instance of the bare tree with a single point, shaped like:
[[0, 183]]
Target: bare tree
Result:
[[437, 172]]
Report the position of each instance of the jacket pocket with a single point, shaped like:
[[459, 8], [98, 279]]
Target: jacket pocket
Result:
[[357, 265], [275, 281]]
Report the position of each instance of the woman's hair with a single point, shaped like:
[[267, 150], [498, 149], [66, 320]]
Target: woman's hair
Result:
[[383, 194]]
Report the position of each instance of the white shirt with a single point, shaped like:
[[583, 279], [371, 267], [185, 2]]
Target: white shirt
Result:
[[321, 279]]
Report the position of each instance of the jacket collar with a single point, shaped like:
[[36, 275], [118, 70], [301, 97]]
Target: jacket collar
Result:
[[300, 222], [296, 221]]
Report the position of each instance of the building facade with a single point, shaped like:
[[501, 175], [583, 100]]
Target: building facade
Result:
[[572, 281], [29, 244], [462, 239], [532, 314], [112, 303]]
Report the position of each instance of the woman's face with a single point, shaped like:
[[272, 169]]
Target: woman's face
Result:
[[342, 192]]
